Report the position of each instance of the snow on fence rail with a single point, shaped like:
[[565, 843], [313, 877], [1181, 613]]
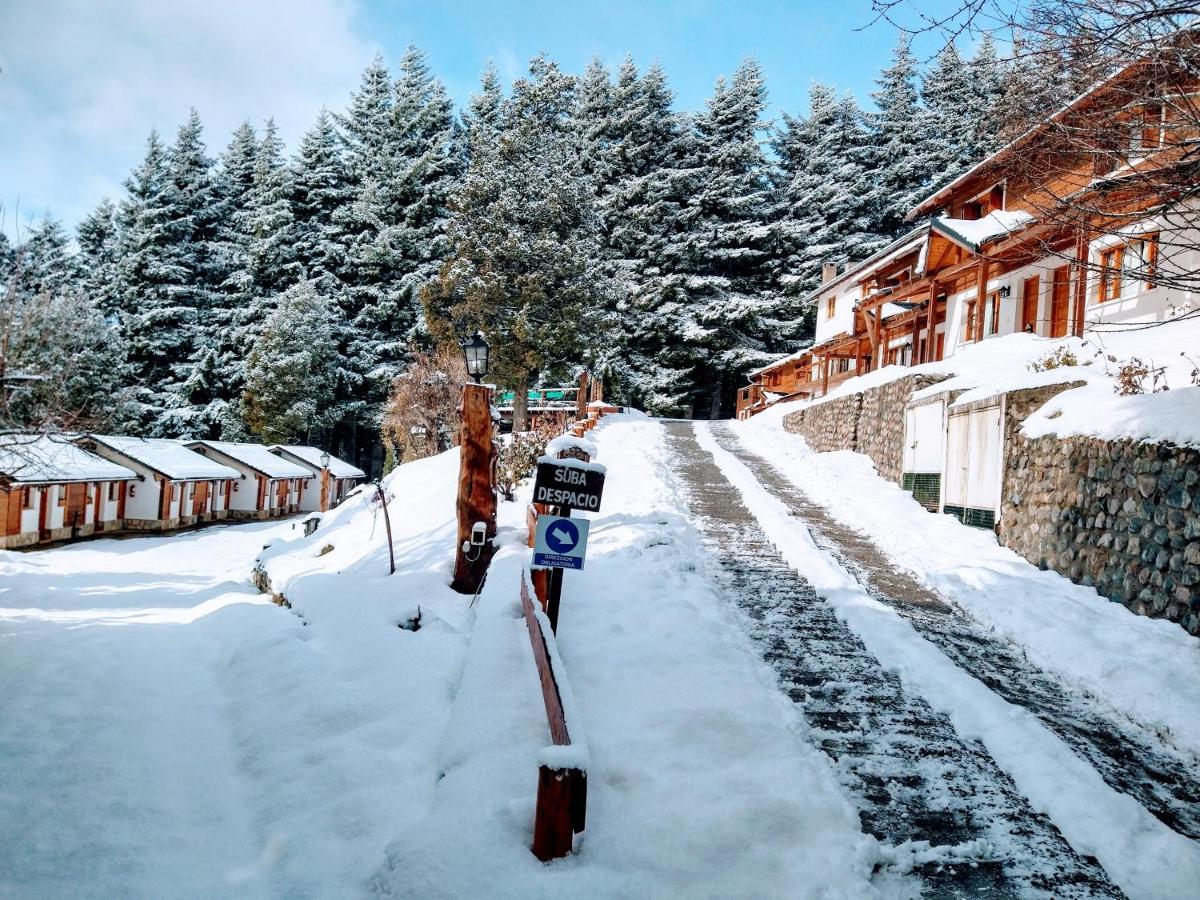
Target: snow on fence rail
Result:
[[561, 808]]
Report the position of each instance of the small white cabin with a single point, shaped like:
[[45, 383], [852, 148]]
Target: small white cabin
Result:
[[175, 487], [51, 490], [268, 485], [337, 480]]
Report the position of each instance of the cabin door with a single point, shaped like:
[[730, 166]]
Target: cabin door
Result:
[[1060, 302], [200, 498], [974, 456], [1029, 304], [76, 510]]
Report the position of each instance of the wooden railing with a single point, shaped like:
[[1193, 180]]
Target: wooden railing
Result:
[[561, 809]]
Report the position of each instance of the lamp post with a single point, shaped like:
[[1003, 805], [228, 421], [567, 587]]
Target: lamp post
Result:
[[476, 351], [324, 504], [476, 508]]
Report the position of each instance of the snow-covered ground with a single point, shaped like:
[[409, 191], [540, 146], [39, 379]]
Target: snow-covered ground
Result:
[[170, 732]]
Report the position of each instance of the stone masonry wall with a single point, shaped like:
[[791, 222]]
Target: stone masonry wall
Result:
[[871, 422], [1121, 516]]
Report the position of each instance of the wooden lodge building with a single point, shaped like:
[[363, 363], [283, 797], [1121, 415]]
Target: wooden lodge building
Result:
[[1057, 232], [323, 488], [51, 490], [175, 487], [266, 485]]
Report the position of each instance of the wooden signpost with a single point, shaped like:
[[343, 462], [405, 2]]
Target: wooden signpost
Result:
[[564, 486], [476, 490]]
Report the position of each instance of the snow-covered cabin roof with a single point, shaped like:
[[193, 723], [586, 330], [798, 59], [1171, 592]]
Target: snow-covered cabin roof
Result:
[[256, 457], [778, 362], [311, 457], [974, 233], [167, 457], [49, 459], [905, 244]]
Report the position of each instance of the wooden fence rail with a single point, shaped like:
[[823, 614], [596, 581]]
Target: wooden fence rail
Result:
[[561, 810]]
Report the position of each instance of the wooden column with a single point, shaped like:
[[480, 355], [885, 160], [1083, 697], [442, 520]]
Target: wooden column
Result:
[[1081, 280], [980, 300], [324, 504], [581, 397], [931, 323], [476, 488], [824, 375]]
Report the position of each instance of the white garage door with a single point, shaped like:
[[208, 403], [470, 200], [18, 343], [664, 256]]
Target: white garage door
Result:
[[973, 465]]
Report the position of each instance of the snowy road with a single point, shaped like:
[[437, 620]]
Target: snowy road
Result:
[[972, 745]]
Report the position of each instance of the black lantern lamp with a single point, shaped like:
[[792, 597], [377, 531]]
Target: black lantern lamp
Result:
[[475, 349], [325, 460]]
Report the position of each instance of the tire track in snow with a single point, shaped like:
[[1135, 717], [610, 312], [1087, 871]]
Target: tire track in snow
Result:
[[916, 780], [1130, 758]]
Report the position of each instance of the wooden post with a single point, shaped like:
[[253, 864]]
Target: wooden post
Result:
[[324, 505], [581, 397], [1081, 280], [387, 525], [476, 488], [931, 322], [980, 300]]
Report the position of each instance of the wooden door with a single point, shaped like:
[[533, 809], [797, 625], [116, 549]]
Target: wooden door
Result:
[[281, 494], [97, 506], [122, 488], [9, 499], [1029, 304], [1060, 302], [76, 510], [200, 498], [44, 513]]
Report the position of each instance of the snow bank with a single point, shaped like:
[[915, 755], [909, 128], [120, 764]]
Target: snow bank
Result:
[[567, 442]]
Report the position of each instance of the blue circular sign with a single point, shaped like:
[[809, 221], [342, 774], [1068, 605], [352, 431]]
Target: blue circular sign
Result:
[[562, 536]]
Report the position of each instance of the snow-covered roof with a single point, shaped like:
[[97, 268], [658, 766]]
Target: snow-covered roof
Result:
[[904, 244], [778, 362], [974, 233], [47, 459], [256, 457], [167, 457], [311, 457]]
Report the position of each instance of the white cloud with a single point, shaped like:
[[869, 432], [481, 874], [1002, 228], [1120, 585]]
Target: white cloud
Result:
[[82, 83]]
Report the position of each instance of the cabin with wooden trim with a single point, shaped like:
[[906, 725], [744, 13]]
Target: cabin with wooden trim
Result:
[[1051, 234], [268, 485], [325, 487], [175, 488], [52, 490]]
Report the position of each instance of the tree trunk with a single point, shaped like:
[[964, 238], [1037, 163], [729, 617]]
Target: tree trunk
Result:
[[521, 405]]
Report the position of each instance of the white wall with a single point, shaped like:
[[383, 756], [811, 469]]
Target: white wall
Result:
[[244, 496], [843, 319]]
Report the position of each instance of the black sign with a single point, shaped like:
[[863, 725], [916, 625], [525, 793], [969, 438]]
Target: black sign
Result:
[[565, 485]]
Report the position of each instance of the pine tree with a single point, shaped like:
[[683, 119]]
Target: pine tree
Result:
[[291, 371], [526, 241], [485, 114], [902, 154], [824, 192], [951, 114], [729, 245], [99, 247], [321, 187], [157, 319]]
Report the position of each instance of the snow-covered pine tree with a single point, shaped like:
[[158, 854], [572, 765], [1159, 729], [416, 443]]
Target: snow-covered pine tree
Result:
[[644, 210], [292, 370], [729, 243], [484, 116], [824, 192], [99, 245], [526, 241], [951, 111], [321, 187], [157, 319], [987, 83], [902, 152]]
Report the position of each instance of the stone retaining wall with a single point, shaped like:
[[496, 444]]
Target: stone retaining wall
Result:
[[870, 421], [1121, 516]]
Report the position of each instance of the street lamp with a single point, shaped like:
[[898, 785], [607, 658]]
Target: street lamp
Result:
[[475, 350], [325, 460]]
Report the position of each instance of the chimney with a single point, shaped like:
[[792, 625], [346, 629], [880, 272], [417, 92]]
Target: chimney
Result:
[[828, 272]]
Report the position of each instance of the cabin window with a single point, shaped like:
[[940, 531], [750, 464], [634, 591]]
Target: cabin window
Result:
[[1141, 259], [112, 490], [988, 202], [1111, 261], [830, 307], [62, 495], [174, 491], [27, 498], [1145, 131], [992, 318]]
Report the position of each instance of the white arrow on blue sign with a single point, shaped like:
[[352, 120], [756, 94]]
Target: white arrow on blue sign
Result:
[[560, 543]]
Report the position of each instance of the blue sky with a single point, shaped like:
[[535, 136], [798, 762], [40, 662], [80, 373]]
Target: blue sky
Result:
[[82, 83]]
